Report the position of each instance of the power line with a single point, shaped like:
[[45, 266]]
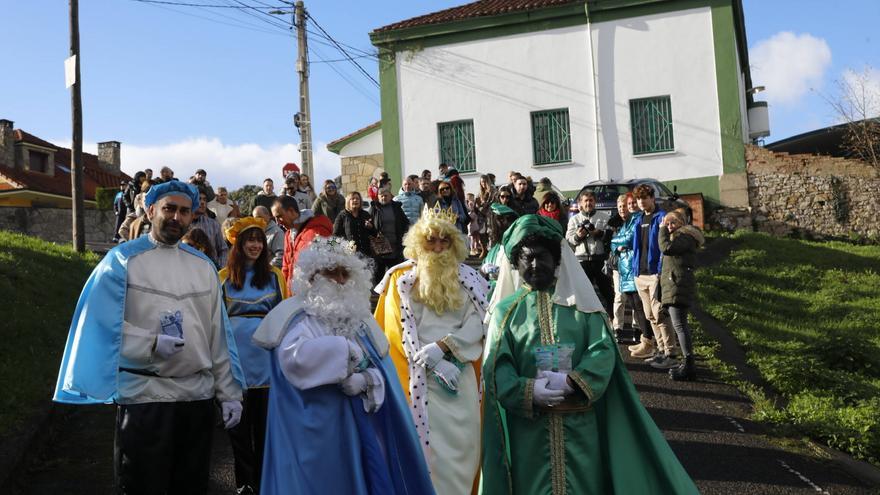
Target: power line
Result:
[[344, 77], [343, 51], [238, 23], [209, 5]]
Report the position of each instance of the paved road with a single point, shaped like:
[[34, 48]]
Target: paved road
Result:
[[705, 423]]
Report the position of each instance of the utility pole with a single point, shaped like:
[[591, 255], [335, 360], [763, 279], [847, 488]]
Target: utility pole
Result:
[[76, 172], [304, 118]]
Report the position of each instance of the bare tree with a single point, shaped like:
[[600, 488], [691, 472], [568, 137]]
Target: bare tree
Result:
[[857, 104]]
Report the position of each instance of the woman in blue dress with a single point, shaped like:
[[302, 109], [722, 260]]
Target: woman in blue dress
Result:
[[251, 288]]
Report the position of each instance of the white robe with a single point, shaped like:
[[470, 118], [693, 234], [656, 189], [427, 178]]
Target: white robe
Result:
[[453, 420]]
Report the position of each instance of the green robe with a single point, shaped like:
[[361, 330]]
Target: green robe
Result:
[[604, 442]]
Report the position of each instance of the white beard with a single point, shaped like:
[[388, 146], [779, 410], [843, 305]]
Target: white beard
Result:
[[339, 307]]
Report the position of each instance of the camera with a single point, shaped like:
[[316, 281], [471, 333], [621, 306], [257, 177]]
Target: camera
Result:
[[587, 225]]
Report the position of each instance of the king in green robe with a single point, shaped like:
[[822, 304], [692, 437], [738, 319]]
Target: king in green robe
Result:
[[560, 413]]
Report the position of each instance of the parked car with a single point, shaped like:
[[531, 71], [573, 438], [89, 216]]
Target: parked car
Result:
[[606, 193]]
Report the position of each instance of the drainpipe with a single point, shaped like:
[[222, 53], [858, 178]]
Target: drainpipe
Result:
[[595, 86]]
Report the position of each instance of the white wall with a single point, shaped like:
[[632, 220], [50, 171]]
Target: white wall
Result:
[[498, 82], [665, 54], [368, 144]]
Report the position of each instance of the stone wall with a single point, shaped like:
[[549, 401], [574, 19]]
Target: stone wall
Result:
[[818, 196], [357, 170], [55, 224]]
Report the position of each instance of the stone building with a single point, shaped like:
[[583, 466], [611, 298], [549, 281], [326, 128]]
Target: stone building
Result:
[[35, 186], [361, 156]]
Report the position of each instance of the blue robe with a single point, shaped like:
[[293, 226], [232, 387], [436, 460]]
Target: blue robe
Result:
[[90, 364], [322, 441]]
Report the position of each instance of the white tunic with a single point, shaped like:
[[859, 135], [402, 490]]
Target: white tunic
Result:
[[169, 279], [454, 420]]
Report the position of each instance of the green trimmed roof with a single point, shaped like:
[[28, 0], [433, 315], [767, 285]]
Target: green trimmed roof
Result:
[[337, 145]]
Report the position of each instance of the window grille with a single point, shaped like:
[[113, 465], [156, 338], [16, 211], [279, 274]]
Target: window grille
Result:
[[551, 137], [651, 125], [457, 145]]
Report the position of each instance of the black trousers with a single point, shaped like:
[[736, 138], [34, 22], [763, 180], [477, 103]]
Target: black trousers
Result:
[[163, 447], [593, 269], [248, 438], [639, 314]]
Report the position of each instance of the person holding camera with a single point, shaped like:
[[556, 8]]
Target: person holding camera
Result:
[[586, 236]]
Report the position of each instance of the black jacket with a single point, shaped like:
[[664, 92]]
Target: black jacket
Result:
[[401, 225], [353, 228]]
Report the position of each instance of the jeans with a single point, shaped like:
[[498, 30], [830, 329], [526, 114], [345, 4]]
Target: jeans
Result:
[[679, 317]]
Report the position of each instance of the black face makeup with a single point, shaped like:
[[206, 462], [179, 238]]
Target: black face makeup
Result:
[[536, 266]]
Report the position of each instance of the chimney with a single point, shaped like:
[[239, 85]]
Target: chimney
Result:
[[7, 143], [109, 156]]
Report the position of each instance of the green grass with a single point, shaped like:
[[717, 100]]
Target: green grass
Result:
[[39, 286], [807, 314]]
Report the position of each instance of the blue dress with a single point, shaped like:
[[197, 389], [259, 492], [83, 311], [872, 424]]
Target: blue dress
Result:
[[246, 308]]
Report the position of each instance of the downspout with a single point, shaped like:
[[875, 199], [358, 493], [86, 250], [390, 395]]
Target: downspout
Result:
[[595, 87]]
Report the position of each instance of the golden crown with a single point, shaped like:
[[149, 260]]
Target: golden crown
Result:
[[243, 224], [439, 213]]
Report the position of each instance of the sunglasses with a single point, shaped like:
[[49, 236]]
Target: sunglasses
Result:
[[504, 196], [444, 189]]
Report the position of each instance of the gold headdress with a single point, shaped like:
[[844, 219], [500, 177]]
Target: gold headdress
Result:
[[439, 213], [241, 225]]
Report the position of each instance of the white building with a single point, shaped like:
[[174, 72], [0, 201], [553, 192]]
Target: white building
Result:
[[571, 90]]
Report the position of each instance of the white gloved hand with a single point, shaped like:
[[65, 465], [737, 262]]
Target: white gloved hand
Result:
[[448, 372], [428, 356], [167, 346], [355, 384], [544, 396], [489, 268], [557, 381], [230, 410], [355, 355]]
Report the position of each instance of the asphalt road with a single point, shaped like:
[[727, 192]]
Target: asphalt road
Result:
[[704, 421]]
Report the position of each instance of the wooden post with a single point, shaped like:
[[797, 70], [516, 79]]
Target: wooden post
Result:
[[76, 171], [302, 67]]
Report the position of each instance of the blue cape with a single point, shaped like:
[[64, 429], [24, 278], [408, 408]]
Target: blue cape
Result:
[[90, 364], [321, 441]]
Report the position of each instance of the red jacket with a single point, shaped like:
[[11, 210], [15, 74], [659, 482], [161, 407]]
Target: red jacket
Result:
[[319, 225]]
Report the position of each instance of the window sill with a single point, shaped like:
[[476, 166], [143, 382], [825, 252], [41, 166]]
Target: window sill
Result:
[[658, 153], [554, 164]]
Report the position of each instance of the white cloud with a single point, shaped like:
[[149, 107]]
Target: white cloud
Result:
[[227, 165], [789, 65]]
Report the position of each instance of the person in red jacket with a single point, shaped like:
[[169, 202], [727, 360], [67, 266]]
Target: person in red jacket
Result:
[[302, 227]]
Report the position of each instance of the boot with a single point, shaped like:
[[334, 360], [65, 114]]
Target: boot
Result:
[[618, 336], [638, 345], [643, 350], [635, 336], [687, 371]]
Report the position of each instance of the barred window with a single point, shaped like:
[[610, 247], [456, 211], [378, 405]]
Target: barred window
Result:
[[551, 137], [651, 125], [457, 145]]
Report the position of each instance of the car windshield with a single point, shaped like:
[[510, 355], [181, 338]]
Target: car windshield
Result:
[[662, 189], [608, 193]]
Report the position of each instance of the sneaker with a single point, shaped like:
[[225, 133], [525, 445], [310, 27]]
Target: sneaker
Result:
[[665, 363], [643, 350], [655, 357]]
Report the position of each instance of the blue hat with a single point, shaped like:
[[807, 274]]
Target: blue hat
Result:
[[172, 187]]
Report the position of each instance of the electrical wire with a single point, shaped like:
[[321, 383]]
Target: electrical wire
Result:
[[209, 5], [343, 51]]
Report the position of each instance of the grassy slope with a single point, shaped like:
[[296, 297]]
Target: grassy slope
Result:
[[39, 286], [807, 314]]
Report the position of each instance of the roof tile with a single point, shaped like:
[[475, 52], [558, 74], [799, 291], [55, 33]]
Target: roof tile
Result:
[[480, 8]]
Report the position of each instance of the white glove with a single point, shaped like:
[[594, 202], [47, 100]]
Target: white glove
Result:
[[543, 396], [167, 346], [355, 355], [448, 372], [231, 412], [429, 355], [557, 381], [355, 384], [489, 269]]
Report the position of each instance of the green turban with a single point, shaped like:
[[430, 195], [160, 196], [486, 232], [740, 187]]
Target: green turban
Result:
[[527, 225], [500, 209]]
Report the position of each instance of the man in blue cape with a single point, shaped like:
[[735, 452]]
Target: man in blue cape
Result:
[[338, 421], [150, 334]]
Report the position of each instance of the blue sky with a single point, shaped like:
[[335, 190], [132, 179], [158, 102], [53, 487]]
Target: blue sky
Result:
[[216, 88]]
